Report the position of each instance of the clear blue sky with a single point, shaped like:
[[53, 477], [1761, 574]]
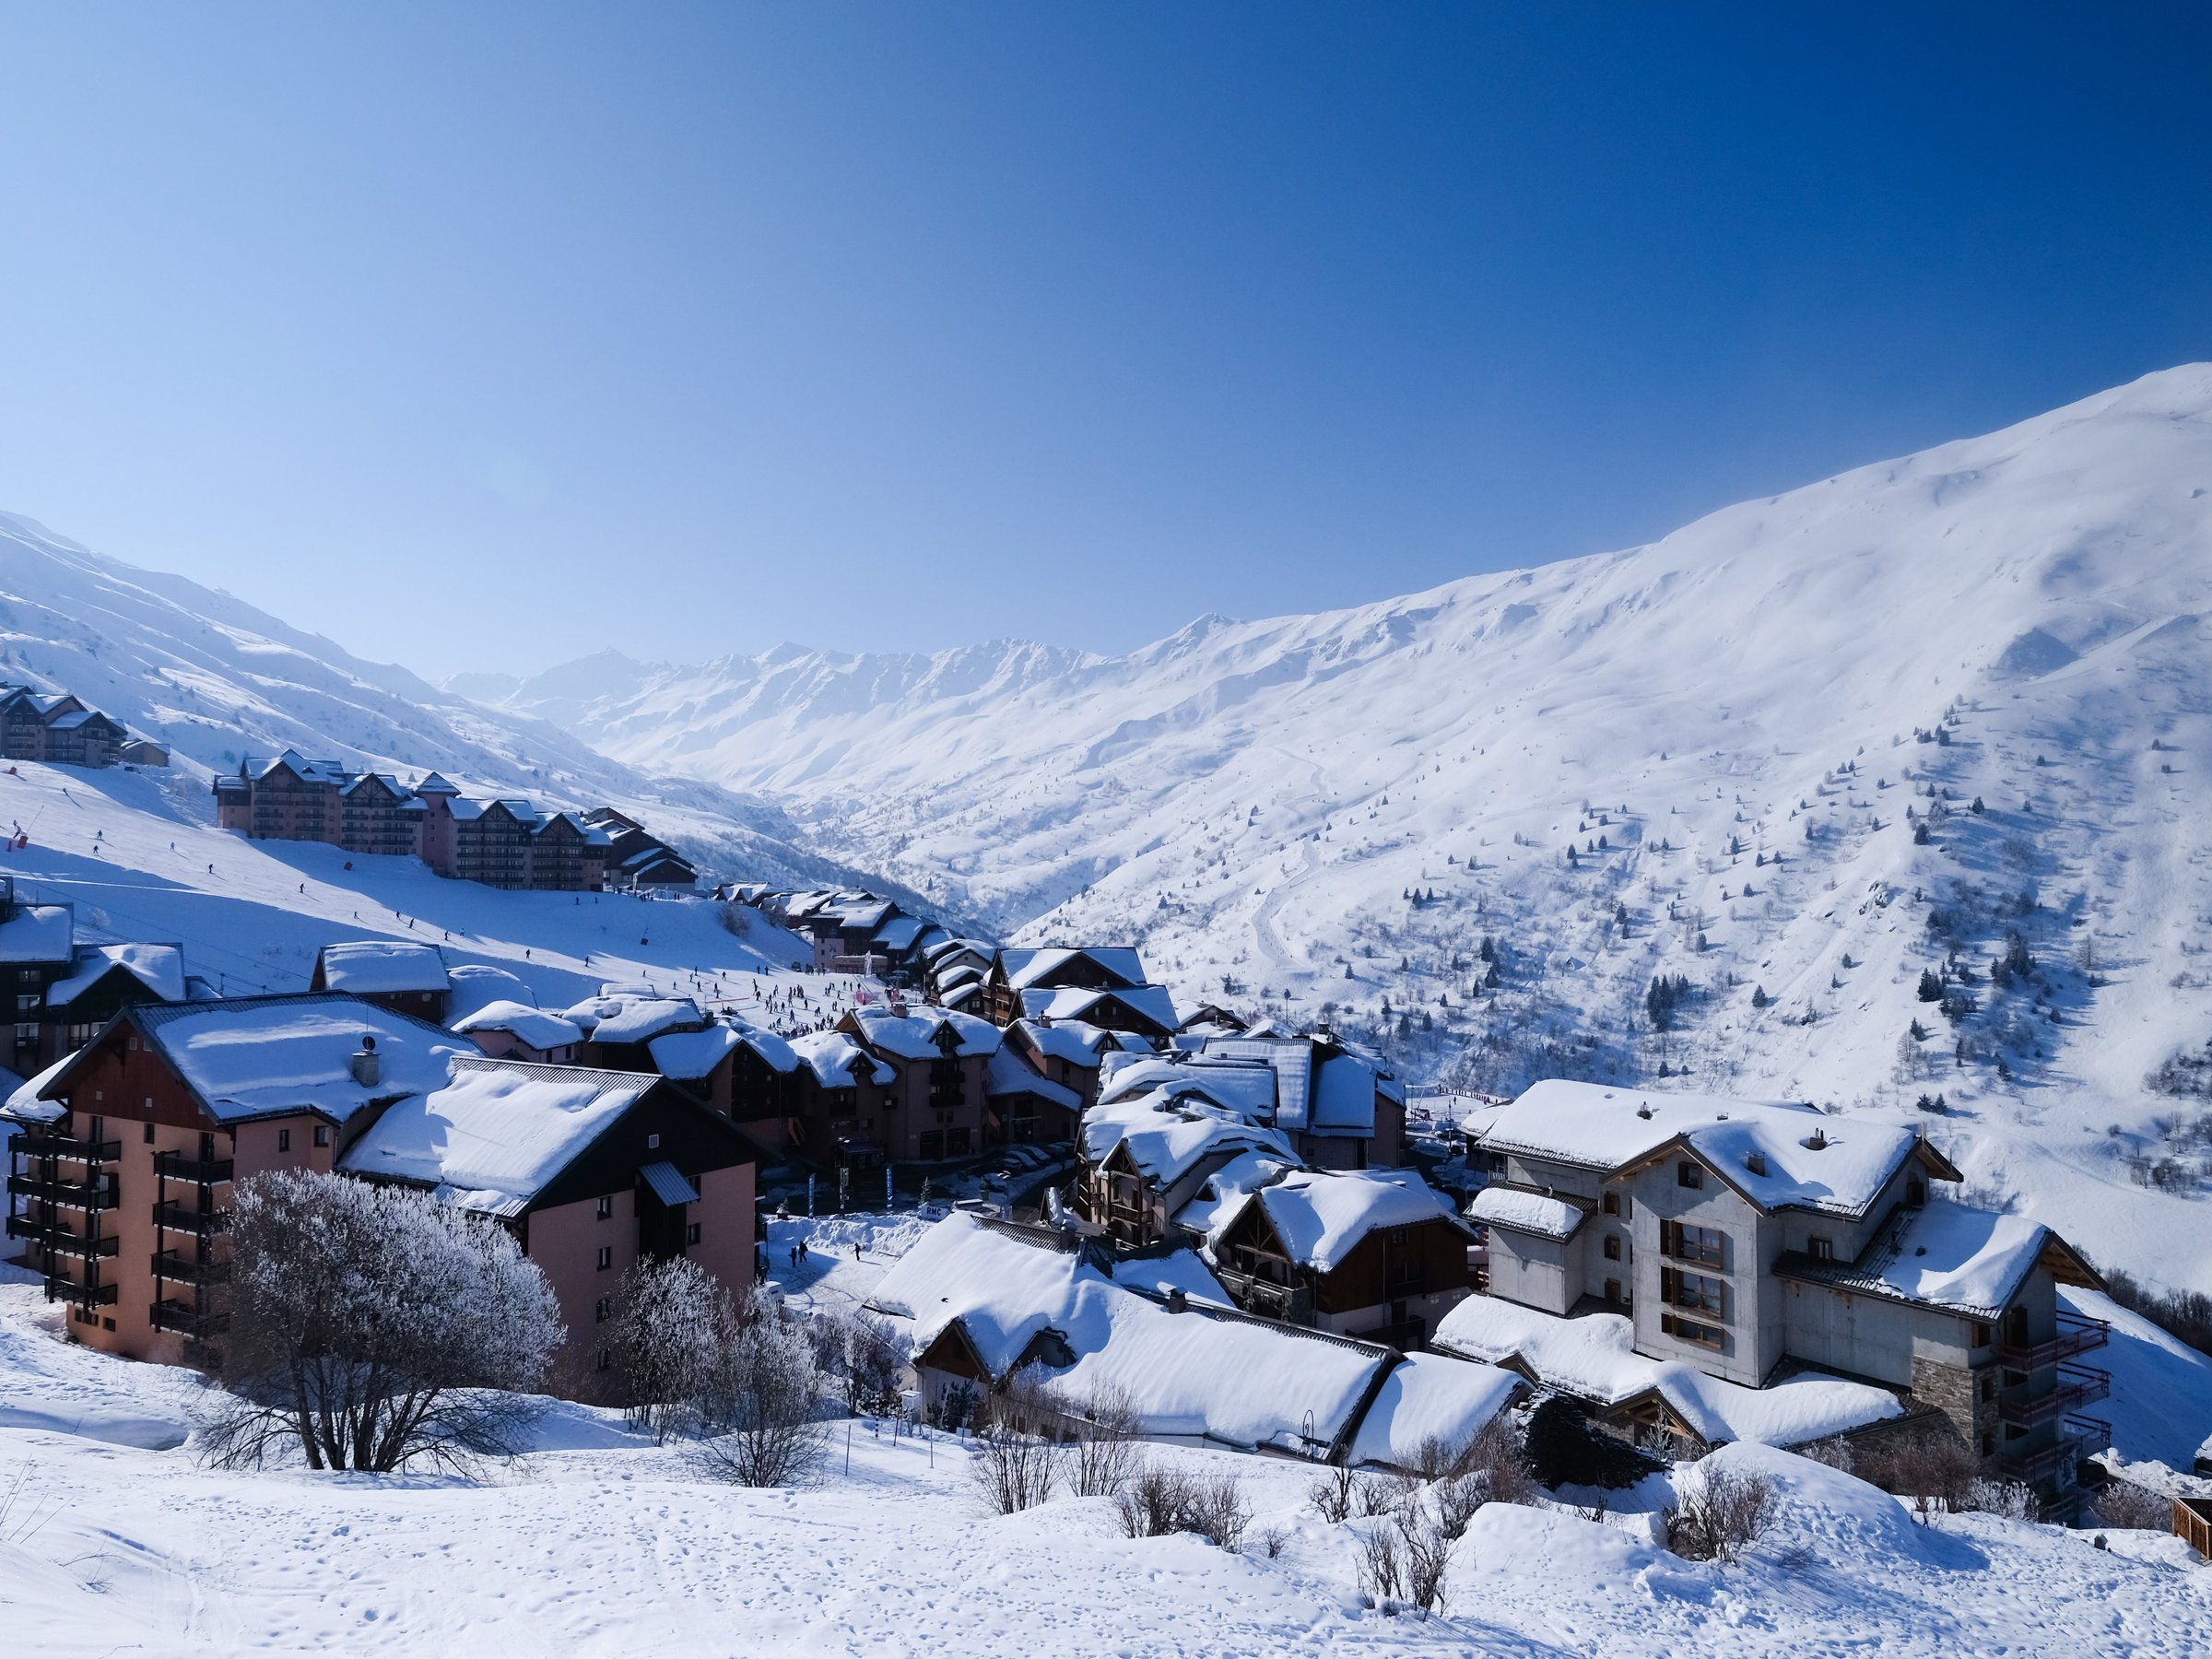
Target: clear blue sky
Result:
[[490, 336]]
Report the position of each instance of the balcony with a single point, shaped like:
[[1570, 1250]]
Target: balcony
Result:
[[178, 1218], [70, 1194], [175, 1166], [60, 1287], [2076, 1335], [51, 1142], [187, 1321], [169, 1264], [2078, 1385], [2076, 1437], [57, 1240]]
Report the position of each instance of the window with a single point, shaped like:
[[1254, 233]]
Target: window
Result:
[[604, 1360], [322, 1135], [1989, 1446], [1704, 1245], [1612, 1250], [1989, 1386], [1609, 1204], [1689, 1330], [284, 1140], [601, 1308], [1824, 1250], [652, 1141], [149, 1134], [1981, 1335], [1916, 1192], [606, 1206], [607, 1257], [1696, 1291], [691, 1233], [1688, 1174], [1613, 1291]]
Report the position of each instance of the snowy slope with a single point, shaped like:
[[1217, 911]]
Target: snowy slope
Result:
[[217, 679], [1252, 802]]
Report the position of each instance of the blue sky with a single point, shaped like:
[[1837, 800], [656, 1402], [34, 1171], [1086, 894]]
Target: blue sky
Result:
[[487, 336]]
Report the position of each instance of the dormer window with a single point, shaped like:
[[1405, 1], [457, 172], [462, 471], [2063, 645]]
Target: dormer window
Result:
[[1823, 1249]]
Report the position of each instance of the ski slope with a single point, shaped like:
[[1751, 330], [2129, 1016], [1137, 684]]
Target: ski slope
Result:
[[1256, 805]]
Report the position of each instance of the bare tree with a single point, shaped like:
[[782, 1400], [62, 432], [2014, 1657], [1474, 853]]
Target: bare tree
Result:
[[1105, 1451], [1722, 1513], [1016, 1458], [760, 1412], [372, 1326], [1160, 1498], [864, 1354]]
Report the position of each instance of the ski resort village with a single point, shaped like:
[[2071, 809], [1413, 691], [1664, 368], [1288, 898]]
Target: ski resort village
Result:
[[1213, 832], [423, 1176]]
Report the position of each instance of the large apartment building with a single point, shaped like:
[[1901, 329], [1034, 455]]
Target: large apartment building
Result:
[[505, 843], [58, 729], [1751, 1239]]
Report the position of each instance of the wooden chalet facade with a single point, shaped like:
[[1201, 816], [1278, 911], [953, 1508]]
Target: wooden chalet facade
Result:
[[1391, 1287]]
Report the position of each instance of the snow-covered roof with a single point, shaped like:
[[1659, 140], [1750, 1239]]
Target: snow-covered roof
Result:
[[690, 1055], [23, 1104], [1430, 1397], [1072, 1002], [966, 973], [1519, 1210], [1947, 1255], [900, 932], [1343, 1098], [915, 1035], [1242, 1381], [778, 1054], [1166, 1138], [261, 1055], [1072, 1041], [1177, 1270], [160, 968], [1777, 1154], [961, 996], [542, 1030], [623, 1017], [1594, 1357], [368, 967], [833, 1057], [496, 1132], [1008, 1074], [1027, 966], [1244, 1086], [1222, 1194], [38, 933], [478, 984], [1322, 1215]]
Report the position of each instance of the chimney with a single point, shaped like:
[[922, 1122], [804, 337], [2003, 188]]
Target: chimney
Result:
[[1756, 1162], [1177, 1302], [367, 1066], [1815, 1141], [1643, 1111]]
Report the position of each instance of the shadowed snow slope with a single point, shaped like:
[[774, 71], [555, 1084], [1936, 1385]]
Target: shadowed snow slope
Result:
[[1259, 805]]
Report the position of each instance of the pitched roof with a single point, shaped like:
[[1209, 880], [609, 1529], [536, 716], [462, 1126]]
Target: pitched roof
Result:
[[1944, 1254], [1031, 966], [690, 1055], [1150, 1003], [626, 1017], [374, 967], [1322, 1215], [1164, 1138], [542, 1030], [1008, 1074], [915, 1035], [39, 934], [160, 968], [258, 1056], [496, 1132], [1517, 1209], [1777, 1154]]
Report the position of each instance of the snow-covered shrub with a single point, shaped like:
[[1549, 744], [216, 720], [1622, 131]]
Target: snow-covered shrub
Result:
[[1933, 1469], [2014, 1499], [863, 1353], [372, 1326], [760, 1412], [1159, 1499], [1722, 1512], [1833, 1452], [2121, 1504], [672, 1320], [1331, 1495]]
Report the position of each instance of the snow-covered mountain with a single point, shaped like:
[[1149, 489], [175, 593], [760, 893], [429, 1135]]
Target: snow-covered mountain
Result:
[[1335, 811], [217, 679]]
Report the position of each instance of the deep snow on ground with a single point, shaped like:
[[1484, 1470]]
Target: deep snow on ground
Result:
[[598, 1542], [1252, 803]]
